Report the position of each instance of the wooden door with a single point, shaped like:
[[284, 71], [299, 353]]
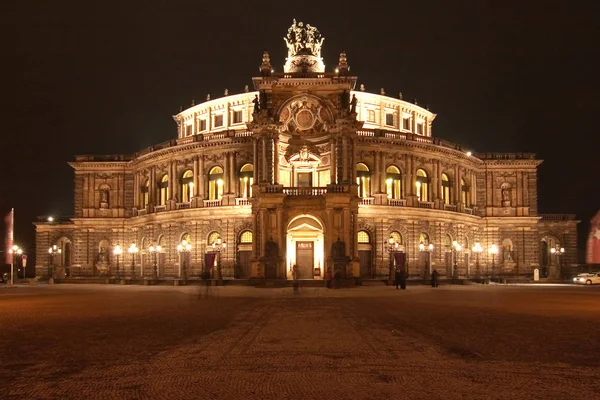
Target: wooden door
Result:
[[305, 259]]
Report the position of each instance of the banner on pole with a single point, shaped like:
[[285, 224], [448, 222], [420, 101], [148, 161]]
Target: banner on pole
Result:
[[9, 239]]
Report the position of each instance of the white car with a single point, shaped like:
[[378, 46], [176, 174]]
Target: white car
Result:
[[587, 278]]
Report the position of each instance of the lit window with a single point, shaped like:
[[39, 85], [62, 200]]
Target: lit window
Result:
[[393, 183], [215, 183], [246, 180], [424, 238], [202, 125], [187, 186], [145, 192], [363, 237], [419, 129], [422, 185], [465, 190], [246, 237], [370, 115], [389, 119], [218, 121], [406, 125], [237, 117], [396, 237], [446, 185], [215, 238], [363, 180], [163, 190]]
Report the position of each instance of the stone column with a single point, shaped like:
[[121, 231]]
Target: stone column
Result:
[[152, 187], [457, 187], [195, 179], [332, 163], [344, 159], [255, 160], [232, 183], [264, 177], [136, 189], [376, 177], [353, 162], [201, 184], [226, 173], [435, 184], [275, 160]]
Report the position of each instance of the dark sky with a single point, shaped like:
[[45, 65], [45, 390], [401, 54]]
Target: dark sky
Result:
[[105, 77]]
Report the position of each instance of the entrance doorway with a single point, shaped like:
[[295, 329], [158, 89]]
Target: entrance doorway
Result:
[[305, 257], [305, 247]]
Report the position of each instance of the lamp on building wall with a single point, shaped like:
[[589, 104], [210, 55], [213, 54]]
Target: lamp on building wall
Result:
[[558, 252], [117, 251], [184, 249], [52, 252], [154, 251], [219, 246], [15, 251], [477, 249], [426, 249], [493, 250], [393, 246], [133, 250], [456, 248]]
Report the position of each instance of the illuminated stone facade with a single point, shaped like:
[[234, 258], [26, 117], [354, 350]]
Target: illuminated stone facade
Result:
[[300, 169]]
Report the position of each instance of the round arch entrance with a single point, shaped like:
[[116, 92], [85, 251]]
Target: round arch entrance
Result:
[[304, 247]]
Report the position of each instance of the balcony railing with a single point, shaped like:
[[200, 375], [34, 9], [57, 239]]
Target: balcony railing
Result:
[[212, 203], [304, 191], [184, 206], [558, 217], [159, 208], [426, 204], [450, 207], [366, 201], [338, 188], [397, 202], [468, 210], [242, 201], [140, 211]]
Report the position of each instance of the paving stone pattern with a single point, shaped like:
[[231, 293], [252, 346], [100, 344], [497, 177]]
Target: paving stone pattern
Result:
[[127, 342]]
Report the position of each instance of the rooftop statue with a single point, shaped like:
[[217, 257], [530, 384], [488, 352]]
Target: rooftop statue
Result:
[[304, 49]]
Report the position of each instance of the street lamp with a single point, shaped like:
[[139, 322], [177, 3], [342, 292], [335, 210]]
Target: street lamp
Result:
[[133, 250], [117, 251], [219, 246], [15, 251], [184, 249], [392, 247], [52, 251], [493, 250], [558, 251], [456, 247], [477, 249], [154, 251], [428, 249]]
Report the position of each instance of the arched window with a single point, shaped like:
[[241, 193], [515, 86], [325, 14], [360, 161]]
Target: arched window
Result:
[[246, 180], [363, 180], [145, 193], [393, 183], [363, 237], [246, 237], [447, 242], [396, 237], [187, 186], [465, 192], [163, 190], [424, 238], [422, 185], [214, 237], [215, 183], [446, 192], [187, 237]]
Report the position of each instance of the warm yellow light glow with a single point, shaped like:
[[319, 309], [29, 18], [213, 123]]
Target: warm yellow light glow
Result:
[[421, 247], [493, 249], [219, 182], [50, 219], [477, 248], [151, 249], [469, 153], [430, 246], [133, 248], [118, 250]]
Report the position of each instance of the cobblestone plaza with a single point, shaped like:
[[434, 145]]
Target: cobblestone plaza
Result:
[[148, 342]]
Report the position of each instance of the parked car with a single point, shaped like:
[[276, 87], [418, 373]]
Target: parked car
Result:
[[587, 278]]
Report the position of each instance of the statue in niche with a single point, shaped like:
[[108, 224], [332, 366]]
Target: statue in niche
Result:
[[271, 249], [103, 255], [256, 104], [353, 104], [507, 251], [505, 190], [104, 198]]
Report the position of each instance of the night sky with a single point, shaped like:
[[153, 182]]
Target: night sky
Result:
[[105, 77]]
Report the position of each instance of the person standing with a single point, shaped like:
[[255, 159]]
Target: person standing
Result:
[[328, 278], [400, 278], [434, 278], [295, 275]]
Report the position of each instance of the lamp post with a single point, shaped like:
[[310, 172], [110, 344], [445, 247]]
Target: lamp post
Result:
[[558, 251], [184, 249], [154, 251], [392, 248], [493, 250], [428, 249], [217, 247], [117, 251], [52, 251], [133, 250], [477, 249], [456, 248], [15, 251]]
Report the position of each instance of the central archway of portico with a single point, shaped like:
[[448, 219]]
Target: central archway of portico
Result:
[[305, 247]]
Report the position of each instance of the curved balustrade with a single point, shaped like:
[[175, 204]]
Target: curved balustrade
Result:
[[304, 191]]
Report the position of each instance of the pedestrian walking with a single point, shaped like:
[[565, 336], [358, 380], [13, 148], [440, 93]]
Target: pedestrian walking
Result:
[[328, 278], [400, 278], [338, 277], [434, 278]]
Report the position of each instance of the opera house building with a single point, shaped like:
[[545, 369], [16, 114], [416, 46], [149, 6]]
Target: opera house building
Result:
[[305, 168]]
